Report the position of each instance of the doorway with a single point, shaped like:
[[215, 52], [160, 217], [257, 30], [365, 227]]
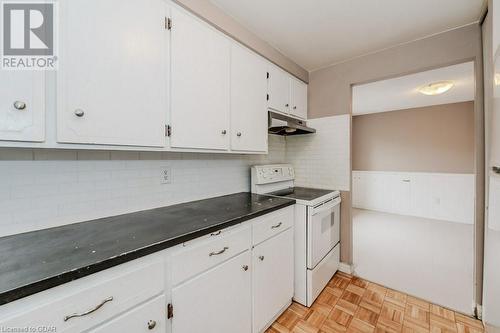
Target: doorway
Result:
[[413, 184]]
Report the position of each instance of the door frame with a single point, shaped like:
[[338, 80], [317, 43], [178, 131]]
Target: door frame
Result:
[[479, 170]]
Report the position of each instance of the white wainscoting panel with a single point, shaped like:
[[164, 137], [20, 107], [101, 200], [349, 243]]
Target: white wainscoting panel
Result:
[[441, 196]]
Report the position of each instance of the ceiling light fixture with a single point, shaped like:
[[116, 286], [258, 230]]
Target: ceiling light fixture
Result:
[[436, 88]]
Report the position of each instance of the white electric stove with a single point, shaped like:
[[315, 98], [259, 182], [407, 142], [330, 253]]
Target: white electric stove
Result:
[[317, 227]]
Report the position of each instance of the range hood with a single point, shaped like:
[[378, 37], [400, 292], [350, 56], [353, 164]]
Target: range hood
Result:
[[283, 125]]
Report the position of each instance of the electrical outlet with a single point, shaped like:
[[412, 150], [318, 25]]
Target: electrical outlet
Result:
[[165, 175]]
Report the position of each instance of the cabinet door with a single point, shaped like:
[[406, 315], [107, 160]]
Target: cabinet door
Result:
[[298, 104], [279, 90], [22, 106], [273, 278], [200, 63], [112, 77], [248, 100], [149, 317], [217, 301]]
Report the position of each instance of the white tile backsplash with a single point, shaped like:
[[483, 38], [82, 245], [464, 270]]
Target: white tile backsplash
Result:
[[62, 187], [322, 160], [47, 188]]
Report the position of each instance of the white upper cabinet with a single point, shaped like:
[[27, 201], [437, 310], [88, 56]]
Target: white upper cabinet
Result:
[[111, 84], [298, 98], [248, 100], [279, 89], [286, 93], [22, 106], [200, 78]]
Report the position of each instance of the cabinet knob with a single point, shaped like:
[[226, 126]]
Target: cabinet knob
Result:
[[224, 132], [79, 113], [19, 105], [151, 324], [286, 105], [496, 169], [261, 258], [295, 108], [245, 268], [238, 134]]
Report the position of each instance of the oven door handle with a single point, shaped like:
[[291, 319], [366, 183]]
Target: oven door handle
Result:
[[326, 206]]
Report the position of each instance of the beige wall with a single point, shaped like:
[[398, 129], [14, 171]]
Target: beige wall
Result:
[[330, 87], [211, 13], [436, 138]]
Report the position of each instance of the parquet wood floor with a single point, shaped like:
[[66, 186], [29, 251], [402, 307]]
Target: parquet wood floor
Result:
[[353, 305]]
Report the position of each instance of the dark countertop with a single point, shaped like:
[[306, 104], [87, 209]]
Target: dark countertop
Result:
[[35, 261]]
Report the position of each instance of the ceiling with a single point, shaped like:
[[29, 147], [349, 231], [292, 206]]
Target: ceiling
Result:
[[317, 33], [401, 92]]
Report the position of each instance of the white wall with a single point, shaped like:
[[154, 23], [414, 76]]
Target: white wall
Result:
[[322, 160], [49, 188], [440, 196]]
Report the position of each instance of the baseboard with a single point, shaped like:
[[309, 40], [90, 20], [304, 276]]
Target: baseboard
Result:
[[345, 268]]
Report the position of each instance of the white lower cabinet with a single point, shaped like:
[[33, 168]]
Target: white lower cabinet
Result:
[[94, 301], [149, 317], [236, 280], [272, 278], [217, 301], [246, 289]]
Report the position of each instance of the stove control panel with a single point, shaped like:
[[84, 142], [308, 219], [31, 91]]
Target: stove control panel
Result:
[[266, 174]]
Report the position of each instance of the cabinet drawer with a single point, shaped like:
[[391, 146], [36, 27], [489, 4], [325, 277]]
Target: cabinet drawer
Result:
[[269, 225], [87, 302], [200, 255], [149, 317]]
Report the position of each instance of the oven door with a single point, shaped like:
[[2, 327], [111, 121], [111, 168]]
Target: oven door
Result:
[[323, 230]]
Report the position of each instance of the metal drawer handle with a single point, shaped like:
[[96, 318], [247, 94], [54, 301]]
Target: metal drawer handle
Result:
[[406, 180], [219, 252], [276, 226], [216, 233], [79, 113], [74, 315], [223, 132], [245, 268], [261, 258], [151, 324], [496, 169], [238, 134]]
